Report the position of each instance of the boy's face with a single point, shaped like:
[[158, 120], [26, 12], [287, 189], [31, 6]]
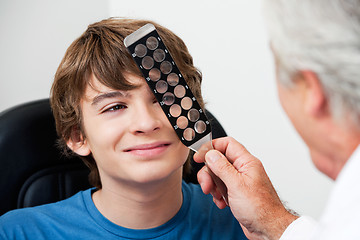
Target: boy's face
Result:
[[128, 134]]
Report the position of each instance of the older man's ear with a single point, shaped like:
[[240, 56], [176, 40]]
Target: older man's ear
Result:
[[315, 102]]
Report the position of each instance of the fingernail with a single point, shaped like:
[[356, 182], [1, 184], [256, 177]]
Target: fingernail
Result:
[[213, 156]]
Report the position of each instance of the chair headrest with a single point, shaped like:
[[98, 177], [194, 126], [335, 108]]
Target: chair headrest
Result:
[[27, 146]]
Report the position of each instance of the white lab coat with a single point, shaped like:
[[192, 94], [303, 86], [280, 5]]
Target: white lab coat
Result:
[[341, 217]]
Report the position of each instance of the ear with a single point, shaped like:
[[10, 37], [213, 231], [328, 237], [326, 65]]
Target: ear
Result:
[[315, 102], [78, 144]]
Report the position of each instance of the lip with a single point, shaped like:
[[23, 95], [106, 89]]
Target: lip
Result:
[[149, 149]]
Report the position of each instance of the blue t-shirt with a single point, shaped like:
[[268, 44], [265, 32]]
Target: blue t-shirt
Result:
[[78, 218]]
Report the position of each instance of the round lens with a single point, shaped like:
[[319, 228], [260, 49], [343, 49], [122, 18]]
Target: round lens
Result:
[[168, 98], [166, 67], [200, 127], [175, 110], [154, 74], [182, 122], [147, 62], [140, 50], [189, 134], [159, 55], [193, 115], [173, 79], [152, 43], [161, 86], [186, 103], [179, 91]]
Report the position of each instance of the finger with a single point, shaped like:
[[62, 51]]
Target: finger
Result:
[[231, 148], [216, 194], [221, 167], [206, 183], [199, 156], [220, 186], [220, 203]]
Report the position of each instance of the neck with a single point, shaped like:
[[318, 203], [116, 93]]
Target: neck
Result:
[[340, 145], [141, 206]]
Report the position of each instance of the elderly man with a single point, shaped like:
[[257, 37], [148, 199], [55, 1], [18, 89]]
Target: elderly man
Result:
[[316, 46]]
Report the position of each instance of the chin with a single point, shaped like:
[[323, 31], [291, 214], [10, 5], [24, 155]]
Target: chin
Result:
[[323, 164], [153, 174]]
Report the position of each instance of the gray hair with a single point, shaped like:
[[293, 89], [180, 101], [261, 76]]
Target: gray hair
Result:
[[322, 36]]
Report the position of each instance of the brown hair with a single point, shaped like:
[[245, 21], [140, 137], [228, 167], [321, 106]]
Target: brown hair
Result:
[[100, 51]]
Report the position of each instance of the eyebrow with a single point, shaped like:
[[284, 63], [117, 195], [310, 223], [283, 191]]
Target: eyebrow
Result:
[[97, 99]]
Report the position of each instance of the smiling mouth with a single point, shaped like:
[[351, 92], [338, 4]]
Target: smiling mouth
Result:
[[147, 147]]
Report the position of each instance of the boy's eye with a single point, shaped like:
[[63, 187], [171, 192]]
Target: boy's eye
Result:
[[115, 108]]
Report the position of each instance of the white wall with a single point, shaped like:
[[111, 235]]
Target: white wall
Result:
[[34, 37], [228, 43]]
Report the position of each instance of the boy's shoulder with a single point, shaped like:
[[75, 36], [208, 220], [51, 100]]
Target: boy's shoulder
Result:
[[48, 215], [61, 207]]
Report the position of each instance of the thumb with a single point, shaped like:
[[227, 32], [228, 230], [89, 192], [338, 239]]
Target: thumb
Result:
[[221, 167]]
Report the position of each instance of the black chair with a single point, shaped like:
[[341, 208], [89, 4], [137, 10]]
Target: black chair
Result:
[[33, 170]]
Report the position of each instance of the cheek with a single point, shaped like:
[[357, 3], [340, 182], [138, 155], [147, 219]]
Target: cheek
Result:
[[184, 151], [103, 136], [280, 91], [180, 156], [285, 98], [293, 108]]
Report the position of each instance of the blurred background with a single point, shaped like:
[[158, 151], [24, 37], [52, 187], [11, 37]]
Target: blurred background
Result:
[[228, 42]]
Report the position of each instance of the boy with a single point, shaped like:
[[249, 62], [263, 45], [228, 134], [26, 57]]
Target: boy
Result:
[[106, 113]]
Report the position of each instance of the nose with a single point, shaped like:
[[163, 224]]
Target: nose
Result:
[[146, 119]]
